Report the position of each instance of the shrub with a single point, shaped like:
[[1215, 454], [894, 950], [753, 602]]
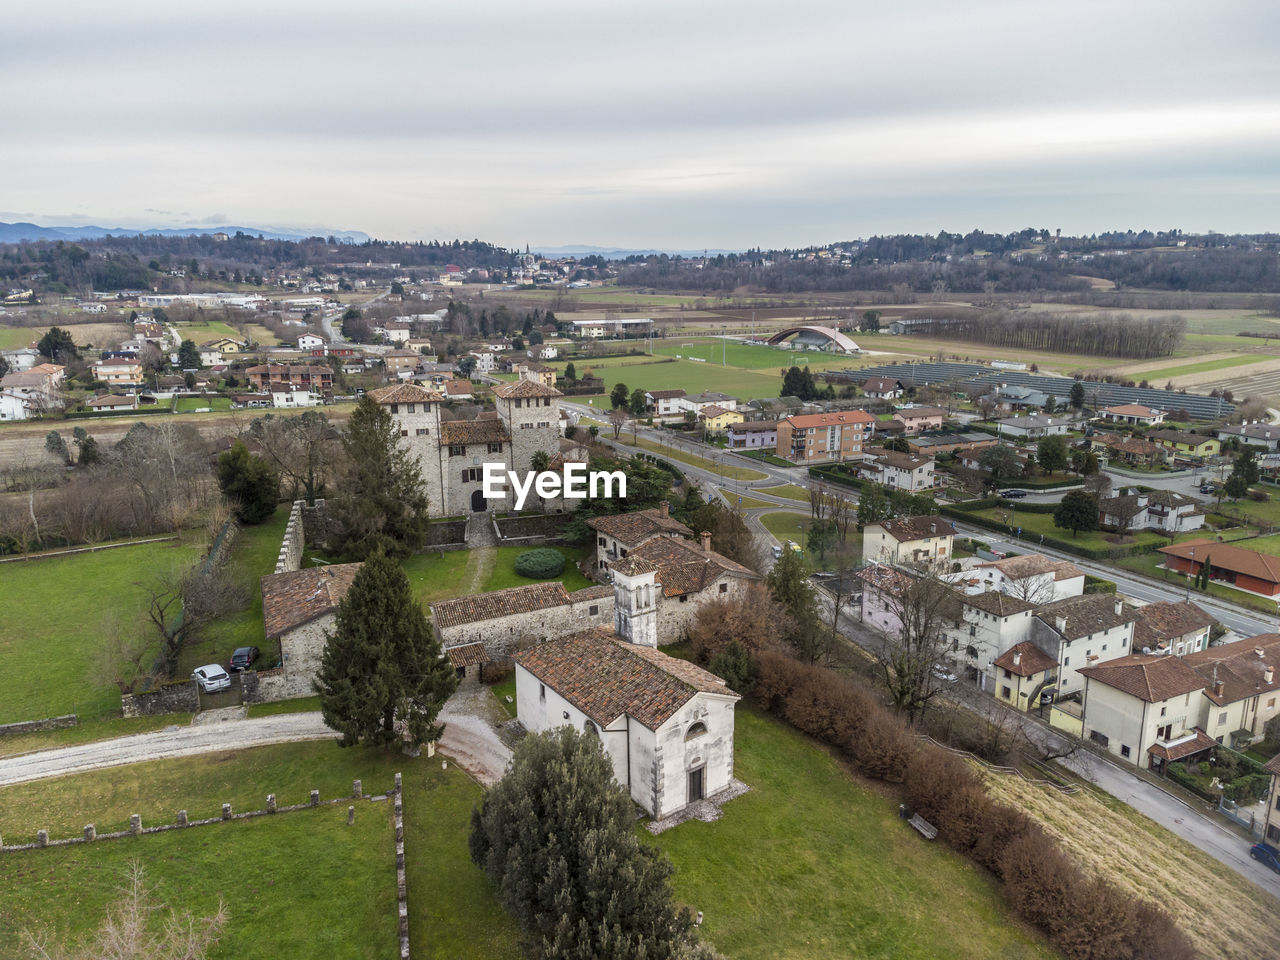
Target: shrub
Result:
[[734, 665], [541, 564]]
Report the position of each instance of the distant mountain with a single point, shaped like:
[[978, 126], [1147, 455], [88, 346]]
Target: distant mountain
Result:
[[619, 253], [19, 232]]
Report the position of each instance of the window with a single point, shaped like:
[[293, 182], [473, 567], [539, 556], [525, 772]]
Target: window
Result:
[[600, 542], [1008, 675], [684, 598], [495, 448], [1271, 703], [1222, 718], [1124, 750], [404, 433], [695, 731], [410, 408], [456, 450], [472, 475], [593, 610], [542, 691], [1066, 661], [422, 431], [724, 588], [1006, 692], [973, 630], [395, 408], [526, 426], [1162, 710]]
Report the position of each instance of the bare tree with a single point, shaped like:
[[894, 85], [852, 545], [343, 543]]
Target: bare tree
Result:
[[182, 603], [617, 419], [924, 607], [130, 930], [122, 654], [304, 449], [1035, 589]]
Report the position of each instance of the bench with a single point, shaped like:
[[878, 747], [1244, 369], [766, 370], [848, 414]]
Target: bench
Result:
[[927, 829]]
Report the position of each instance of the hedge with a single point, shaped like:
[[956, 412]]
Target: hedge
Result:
[[540, 564], [1178, 774], [1094, 584]]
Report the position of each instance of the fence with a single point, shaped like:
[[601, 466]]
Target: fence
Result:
[[997, 768]]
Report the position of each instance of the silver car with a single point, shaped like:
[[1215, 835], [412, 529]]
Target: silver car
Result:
[[212, 678]]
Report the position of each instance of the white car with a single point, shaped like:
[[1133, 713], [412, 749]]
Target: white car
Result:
[[945, 675], [211, 678]]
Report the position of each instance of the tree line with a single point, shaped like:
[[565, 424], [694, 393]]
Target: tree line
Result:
[[1106, 336]]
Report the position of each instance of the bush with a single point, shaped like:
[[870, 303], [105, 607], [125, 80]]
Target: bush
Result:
[[734, 665], [541, 564]]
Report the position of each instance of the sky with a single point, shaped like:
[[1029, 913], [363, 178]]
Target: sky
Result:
[[658, 124]]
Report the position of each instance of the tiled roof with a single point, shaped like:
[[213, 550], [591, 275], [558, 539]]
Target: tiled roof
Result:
[[916, 413], [1239, 668], [1087, 614], [999, 604], [684, 567], [1153, 679], [880, 385], [849, 417], [112, 400], [525, 388], [633, 566], [1263, 566], [499, 603], [1178, 436], [901, 461], [713, 411], [665, 394], [458, 388], [466, 654], [638, 526], [1030, 659], [906, 529], [605, 677], [1273, 765], [885, 578], [753, 426], [1167, 620], [464, 432], [291, 599], [1178, 751], [404, 393], [289, 368], [1032, 565]]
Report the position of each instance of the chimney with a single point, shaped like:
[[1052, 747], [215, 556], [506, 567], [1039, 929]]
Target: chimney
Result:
[[1061, 624], [664, 510], [1119, 608], [706, 541], [1268, 674], [1260, 652], [1218, 686], [1017, 658]]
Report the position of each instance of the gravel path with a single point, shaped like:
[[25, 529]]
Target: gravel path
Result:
[[161, 744], [470, 736]]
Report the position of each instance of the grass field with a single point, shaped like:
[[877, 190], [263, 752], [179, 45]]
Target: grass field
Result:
[[188, 404], [811, 864], [1168, 373], [1142, 857], [298, 885], [783, 524], [684, 375], [442, 576], [723, 468], [54, 612], [788, 490], [1033, 524], [205, 330]]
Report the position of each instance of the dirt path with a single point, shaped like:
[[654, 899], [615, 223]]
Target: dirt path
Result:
[[480, 564], [162, 744], [470, 736]]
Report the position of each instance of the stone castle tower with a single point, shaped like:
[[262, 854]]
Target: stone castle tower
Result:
[[635, 601], [416, 412], [531, 413]]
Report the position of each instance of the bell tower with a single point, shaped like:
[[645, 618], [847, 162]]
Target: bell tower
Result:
[[635, 601]]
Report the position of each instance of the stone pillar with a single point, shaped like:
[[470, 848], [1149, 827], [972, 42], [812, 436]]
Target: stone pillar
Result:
[[271, 803], [42, 838], [357, 789], [398, 784], [226, 811], [90, 832], [135, 823], [351, 815], [182, 818], [315, 798]]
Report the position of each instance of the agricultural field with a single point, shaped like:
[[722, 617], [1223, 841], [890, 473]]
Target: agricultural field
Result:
[[1224, 915], [810, 863], [98, 334], [280, 876], [205, 330], [687, 375]]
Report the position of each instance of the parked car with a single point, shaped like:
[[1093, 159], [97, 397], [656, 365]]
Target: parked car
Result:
[[777, 551], [1012, 494], [945, 675], [1266, 854], [243, 657], [212, 678]]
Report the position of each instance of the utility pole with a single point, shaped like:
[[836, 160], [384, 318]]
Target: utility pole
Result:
[[724, 343]]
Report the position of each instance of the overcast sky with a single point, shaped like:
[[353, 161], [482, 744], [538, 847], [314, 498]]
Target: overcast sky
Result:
[[668, 124]]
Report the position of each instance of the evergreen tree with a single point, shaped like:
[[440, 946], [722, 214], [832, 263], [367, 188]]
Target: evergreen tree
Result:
[[556, 839], [637, 403], [382, 666], [249, 482], [57, 345], [570, 374], [1077, 511], [189, 356], [1052, 453], [381, 503], [54, 443], [792, 384], [873, 505], [788, 581], [1077, 395], [619, 395]]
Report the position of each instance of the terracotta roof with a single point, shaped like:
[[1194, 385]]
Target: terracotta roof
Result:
[[1127, 506], [1032, 565], [605, 677], [1153, 679], [1000, 604], [1167, 620], [290, 368], [664, 394], [1087, 614], [633, 566], [885, 578], [902, 461], [880, 385], [1263, 566], [525, 388], [849, 417], [464, 432], [404, 393], [1030, 659], [111, 400], [915, 413], [1273, 765], [906, 529], [458, 388], [636, 527], [1178, 436], [1133, 410], [712, 411], [499, 603], [466, 654], [1178, 751], [753, 426], [291, 599], [684, 567], [1239, 668]]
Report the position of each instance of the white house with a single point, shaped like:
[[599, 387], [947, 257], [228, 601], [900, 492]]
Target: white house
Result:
[[921, 541], [486, 362], [546, 352], [293, 398], [666, 725], [1133, 414], [13, 406], [1029, 576], [1162, 510], [665, 403], [883, 388], [1082, 632], [1033, 427], [1171, 626], [210, 357], [699, 401], [312, 341], [991, 624], [900, 471]]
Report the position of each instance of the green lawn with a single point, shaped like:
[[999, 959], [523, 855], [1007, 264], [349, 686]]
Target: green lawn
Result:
[[298, 885], [188, 404], [790, 491], [749, 356], [687, 375], [1185, 370], [1033, 524], [54, 611], [783, 523], [296, 705], [207, 330], [1269, 545], [723, 467], [810, 863], [443, 576]]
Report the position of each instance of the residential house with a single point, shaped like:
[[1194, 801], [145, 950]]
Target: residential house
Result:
[[665, 724], [716, 420], [486, 361], [1031, 577], [458, 390], [112, 401], [209, 357], [1134, 414], [245, 401], [1021, 674], [298, 608], [1162, 510], [1171, 627], [620, 533], [224, 345], [1256, 434], [282, 397], [119, 372], [700, 401], [15, 406], [1006, 397], [919, 419], [824, 437], [900, 471], [1082, 631], [1184, 444], [1241, 688], [1129, 449], [883, 388], [933, 445], [312, 341], [753, 435], [664, 403], [990, 623], [1145, 710], [547, 352], [1234, 566], [916, 541], [537, 371], [882, 590], [394, 331], [266, 377], [1033, 427]]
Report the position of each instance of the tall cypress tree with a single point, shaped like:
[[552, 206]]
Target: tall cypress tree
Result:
[[381, 504], [381, 663]]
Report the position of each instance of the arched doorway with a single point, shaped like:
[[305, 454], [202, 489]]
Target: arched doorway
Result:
[[477, 501]]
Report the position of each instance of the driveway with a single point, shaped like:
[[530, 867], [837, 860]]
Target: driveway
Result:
[[471, 718], [162, 744]]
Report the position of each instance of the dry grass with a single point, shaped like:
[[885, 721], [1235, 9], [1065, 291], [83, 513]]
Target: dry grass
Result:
[[1224, 915]]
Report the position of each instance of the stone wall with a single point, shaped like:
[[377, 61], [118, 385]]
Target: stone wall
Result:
[[293, 543], [447, 534], [34, 726], [181, 696], [503, 636], [263, 686], [315, 522], [540, 526], [674, 617], [300, 650]]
